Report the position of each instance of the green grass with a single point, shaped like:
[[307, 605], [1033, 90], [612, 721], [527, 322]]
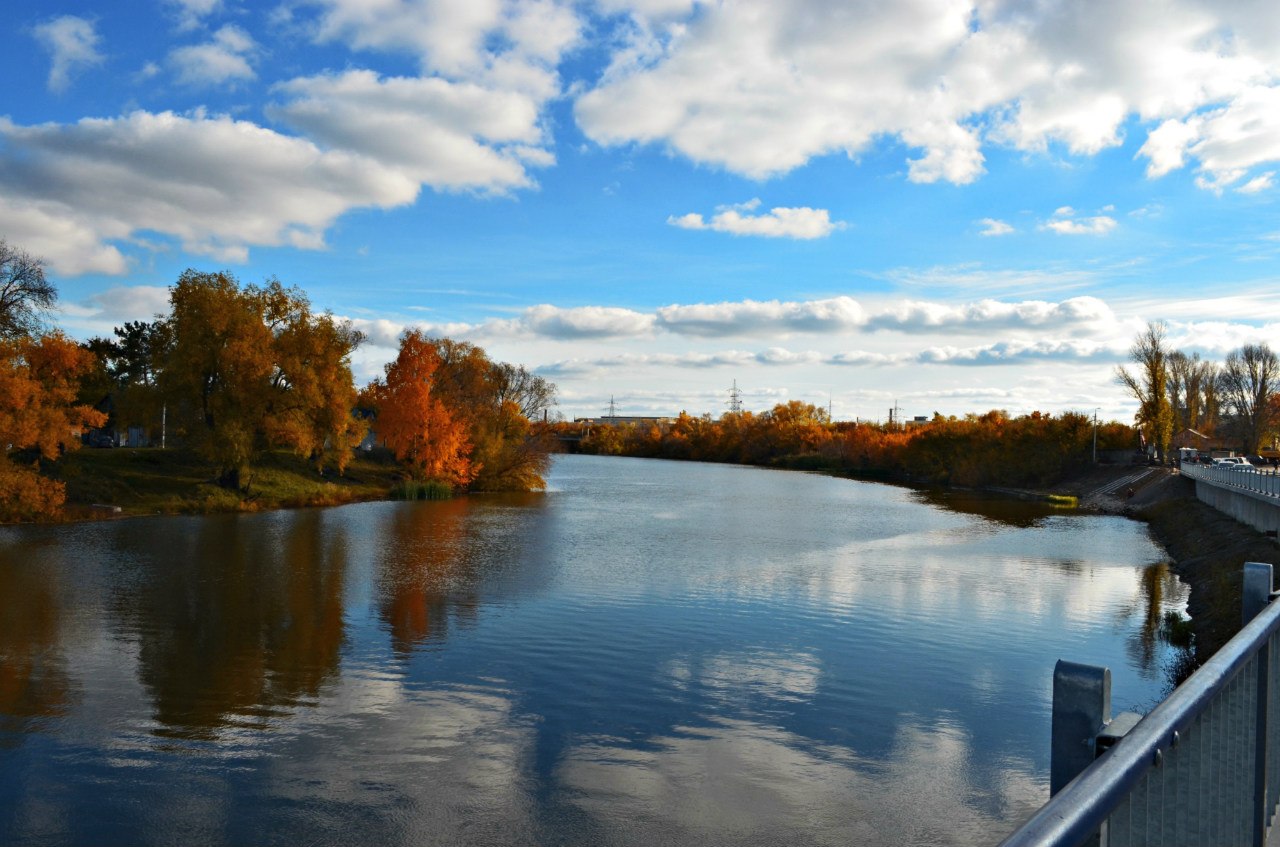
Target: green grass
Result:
[[1065, 500], [150, 480]]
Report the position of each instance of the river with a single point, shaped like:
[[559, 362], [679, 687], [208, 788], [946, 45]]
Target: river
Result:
[[649, 653]]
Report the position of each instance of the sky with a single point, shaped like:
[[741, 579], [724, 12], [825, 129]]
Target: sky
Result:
[[934, 205]]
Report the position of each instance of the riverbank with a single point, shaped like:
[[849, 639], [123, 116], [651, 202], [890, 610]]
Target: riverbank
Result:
[[1207, 548], [148, 481]]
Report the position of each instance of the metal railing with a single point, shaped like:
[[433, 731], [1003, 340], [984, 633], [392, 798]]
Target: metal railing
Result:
[[1261, 481], [1203, 768]]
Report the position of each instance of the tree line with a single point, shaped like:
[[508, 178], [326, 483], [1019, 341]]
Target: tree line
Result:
[[233, 371], [1236, 401], [990, 449]]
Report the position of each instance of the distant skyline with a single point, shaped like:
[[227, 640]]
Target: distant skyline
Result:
[[945, 205]]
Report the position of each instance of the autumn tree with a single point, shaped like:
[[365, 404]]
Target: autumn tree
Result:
[[496, 402], [413, 420], [312, 389], [25, 294], [40, 418], [252, 368], [1193, 392], [1250, 378], [218, 370], [1149, 386]]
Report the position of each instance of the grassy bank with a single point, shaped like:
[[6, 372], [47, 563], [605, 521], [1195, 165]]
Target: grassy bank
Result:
[[152, 481]]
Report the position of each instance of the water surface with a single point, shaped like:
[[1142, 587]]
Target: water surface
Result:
[[649, 653]]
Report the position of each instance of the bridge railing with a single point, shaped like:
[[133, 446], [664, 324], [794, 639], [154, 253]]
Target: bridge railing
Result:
[[1262, 481], [1203, 768]]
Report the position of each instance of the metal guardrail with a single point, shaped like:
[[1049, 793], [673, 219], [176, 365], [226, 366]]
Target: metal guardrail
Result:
[[1203, 768], [1261, 481]]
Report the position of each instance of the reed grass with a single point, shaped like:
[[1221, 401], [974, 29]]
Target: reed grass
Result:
[[429, 490]]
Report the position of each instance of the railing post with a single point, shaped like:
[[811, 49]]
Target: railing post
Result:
[[1255, 595], [1255, 592], [1081, 708]]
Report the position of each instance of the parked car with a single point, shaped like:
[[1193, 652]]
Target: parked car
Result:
[[101, 439], [1229, 460]]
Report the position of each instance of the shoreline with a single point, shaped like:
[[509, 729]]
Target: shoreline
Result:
[[1206, 548]]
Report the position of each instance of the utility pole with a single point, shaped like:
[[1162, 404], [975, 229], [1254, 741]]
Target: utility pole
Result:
[[1095, 436]]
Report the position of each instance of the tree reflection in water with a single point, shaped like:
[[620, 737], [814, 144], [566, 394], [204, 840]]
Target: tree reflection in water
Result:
[[240, 623], [34, 686]]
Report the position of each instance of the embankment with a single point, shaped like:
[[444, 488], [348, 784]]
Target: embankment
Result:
[[1208, 550]]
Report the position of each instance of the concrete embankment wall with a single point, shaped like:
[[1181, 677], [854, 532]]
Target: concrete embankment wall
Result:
[[1249, 507]]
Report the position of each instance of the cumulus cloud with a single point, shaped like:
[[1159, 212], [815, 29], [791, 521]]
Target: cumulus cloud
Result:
[[836, 314], [1064, 222], [1019, 352], [68, 239], [217, 185], [1258, 184], [1227, 141], [990, 355], [510, 46], [992, 226], [444, 134], [780, 222], [586, 322], [190, 13], [72, 43], [760, 88], [1074, 314], [120, 304], [223, 60]]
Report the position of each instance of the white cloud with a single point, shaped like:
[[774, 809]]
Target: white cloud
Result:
[[586, 322], [120, 304], [444, 134], [1020, 352], [780, 222], [223, 60], [72, 43], [217, 185], [511, 46], [191, 13], [1259, 183], [760, 88], [1227, 141], [71, 242], [1063, 222], [836, 314], [992, 226], [1075, 314]]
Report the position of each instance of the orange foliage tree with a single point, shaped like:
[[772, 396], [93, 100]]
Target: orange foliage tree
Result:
[[413, 420], [39, 419]]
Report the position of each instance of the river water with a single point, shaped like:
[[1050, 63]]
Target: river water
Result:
[[649, 653]]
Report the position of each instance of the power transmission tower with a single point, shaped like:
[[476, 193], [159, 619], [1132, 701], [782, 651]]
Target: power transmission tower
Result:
[[613, 409], [735, 398]]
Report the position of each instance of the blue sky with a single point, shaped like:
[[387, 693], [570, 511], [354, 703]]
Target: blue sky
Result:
[[953, 206]]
